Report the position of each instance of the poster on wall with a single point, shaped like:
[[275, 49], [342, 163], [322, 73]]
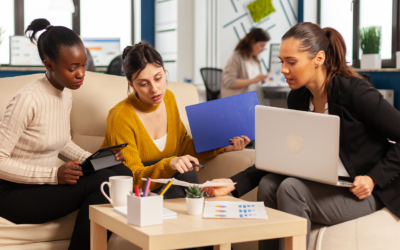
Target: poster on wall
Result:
[[275, 77]]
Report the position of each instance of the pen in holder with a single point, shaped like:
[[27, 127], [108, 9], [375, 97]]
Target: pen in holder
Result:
[[145, 211]]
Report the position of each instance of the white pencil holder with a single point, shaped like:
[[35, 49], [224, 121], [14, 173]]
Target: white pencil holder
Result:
[[145, 211]]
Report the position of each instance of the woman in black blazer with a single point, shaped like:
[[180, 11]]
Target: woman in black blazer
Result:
[[314, 65]]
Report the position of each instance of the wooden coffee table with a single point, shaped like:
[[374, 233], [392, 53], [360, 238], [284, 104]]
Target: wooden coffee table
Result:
[[188, 231]]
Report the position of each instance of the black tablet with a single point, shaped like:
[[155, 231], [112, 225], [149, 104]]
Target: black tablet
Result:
[[102, 158]]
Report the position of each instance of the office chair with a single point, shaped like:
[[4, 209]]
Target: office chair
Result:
[[89, 62], [212, 78], [115, 67]]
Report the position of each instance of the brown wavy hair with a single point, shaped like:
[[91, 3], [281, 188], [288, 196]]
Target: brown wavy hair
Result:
[[314, 39], [255, 35]]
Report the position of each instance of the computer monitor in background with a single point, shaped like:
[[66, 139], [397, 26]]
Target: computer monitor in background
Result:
[[103, 50], [23, 52], [275, 77]]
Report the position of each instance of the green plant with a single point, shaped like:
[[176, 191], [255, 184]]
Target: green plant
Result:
[[194, 192], [370, 39]]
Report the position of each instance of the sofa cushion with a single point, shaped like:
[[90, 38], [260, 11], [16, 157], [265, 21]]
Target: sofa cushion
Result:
[[9, 87], [379, 230], [13, 234], [47, 245]]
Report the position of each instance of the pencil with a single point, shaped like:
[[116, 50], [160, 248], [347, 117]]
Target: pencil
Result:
[[166, 188], [147, 187]]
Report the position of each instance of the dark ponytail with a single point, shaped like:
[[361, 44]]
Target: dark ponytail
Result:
[[313, 39], [135, 59], [254, 36], [50, 42]]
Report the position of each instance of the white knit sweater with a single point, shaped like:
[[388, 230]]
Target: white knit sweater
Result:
[[34, 131]]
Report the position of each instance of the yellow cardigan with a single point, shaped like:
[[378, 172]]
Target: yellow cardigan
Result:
[[123, 125]]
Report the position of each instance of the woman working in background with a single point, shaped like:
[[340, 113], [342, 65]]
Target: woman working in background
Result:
[[35, 129], [314, 65], [242, 72], [149, 121]]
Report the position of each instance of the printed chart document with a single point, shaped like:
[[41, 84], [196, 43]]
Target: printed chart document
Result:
[[235, 210], [166, 212], [188, 184]]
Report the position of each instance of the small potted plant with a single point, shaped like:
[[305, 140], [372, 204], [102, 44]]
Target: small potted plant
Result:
[[370, 43], [194, 200]]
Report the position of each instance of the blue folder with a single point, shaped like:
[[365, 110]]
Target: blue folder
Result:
[[215, 122]]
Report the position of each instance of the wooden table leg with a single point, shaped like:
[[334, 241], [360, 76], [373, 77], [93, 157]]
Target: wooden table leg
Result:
[[226, 246], [296, 243], [98, 237]]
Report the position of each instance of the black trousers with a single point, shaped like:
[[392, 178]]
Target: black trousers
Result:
[[37, 204]]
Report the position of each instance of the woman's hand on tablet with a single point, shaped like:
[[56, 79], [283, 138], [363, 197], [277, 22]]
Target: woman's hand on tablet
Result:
[[219, 191], [238, 143], [69, 173], [182, 164], [119, 156]]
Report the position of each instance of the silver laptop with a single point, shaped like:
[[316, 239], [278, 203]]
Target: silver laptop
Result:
[[300, 144]]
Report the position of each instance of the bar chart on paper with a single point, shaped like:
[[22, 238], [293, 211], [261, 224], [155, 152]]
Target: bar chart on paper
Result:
[[234, 210]]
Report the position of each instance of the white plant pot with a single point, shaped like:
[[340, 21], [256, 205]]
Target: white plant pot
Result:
[[371, 61], [195, 205]]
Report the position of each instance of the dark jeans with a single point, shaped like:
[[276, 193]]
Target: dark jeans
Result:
[[37, 204]]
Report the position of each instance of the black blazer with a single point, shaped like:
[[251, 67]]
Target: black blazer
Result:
[[367, 121]]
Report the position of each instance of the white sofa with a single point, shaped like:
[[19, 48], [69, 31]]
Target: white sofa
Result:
[[99, 93], [91, 103]]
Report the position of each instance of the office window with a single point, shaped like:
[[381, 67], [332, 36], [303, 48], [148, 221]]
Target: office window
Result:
[[7, 23], [107, 19], [48, 9], [373, 13], [343, 23]]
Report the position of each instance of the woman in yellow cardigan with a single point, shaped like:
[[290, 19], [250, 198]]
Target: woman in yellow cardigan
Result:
[[149, 121]]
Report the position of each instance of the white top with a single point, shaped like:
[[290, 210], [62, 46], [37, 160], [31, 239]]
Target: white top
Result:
[[253, 70], [341, 169], [34, 131], [160, 143]]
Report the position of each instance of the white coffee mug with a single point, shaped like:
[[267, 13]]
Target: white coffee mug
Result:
[[119, 187]]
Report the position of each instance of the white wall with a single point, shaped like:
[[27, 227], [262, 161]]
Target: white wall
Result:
[[185, 40], [310, 11], [137, 20], [219, 42]]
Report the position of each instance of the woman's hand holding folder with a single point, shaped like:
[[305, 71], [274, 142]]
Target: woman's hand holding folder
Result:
[[238, 143]]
